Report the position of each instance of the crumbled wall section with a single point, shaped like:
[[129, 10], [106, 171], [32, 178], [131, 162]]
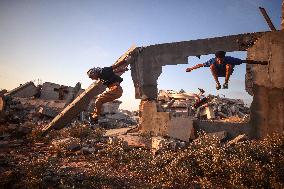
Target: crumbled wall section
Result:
[[267, 109], [52, 91], [163, 123], [25, 91], [148, 65]]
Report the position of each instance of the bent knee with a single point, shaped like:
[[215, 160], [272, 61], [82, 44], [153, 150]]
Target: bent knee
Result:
[[229, 66], [212, 67]]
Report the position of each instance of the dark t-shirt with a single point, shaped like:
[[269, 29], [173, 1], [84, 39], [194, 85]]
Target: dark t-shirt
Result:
[[109, 77], [221, 68]]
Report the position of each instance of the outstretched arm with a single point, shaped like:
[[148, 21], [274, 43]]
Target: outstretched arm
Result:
[[255, 62], [194, 67]]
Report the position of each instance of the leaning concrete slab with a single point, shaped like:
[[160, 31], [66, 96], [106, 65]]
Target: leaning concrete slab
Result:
[[73, 109]]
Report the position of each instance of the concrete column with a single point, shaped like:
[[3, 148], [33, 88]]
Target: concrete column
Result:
[[267, 109]]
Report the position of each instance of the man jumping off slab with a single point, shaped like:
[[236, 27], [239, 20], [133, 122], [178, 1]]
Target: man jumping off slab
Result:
[[109, 77], [223, 66]]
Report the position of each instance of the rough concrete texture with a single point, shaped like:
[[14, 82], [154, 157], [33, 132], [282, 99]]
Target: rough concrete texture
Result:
[[148, 65], [76, 91], [267, 109], [26, 90], [163, 123], [232, 129], [52, 91]]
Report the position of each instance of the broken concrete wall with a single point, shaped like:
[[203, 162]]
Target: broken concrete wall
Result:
[[232, 129], [267, 82], [148, 65], [53, 91], [76, 91], [164, 123], [26, 90]]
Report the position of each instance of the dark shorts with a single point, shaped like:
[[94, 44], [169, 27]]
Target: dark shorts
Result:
[[221, 71]]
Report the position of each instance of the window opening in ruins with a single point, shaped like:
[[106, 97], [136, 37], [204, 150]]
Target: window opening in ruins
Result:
[[179, 91]]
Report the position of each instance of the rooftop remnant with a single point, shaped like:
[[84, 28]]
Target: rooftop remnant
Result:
[[26, 90]]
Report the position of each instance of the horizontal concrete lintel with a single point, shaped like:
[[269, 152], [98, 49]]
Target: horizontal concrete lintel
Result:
[[204, 46]]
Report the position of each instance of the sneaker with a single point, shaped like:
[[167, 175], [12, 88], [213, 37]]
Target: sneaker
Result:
[[93, 120], [225, 86], [218, 86]]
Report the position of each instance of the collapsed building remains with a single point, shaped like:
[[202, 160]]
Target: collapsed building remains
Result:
[[29, 102], [211, 107], [265, 83]]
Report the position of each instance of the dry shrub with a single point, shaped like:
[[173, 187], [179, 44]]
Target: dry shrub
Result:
[[209, 164]]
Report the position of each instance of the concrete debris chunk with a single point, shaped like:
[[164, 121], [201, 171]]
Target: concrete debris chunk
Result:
[[238, 139], [222, 135]]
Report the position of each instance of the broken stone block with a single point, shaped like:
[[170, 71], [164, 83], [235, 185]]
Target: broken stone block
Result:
[[157, 143], [164, 123], [86, 150], [74, 147], [48, 111], [238, 139], [222, 135]]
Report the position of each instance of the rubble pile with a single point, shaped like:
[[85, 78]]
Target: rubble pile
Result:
[[203, 107], [29, 102], [229, 108], [115, 118], [81, 157]]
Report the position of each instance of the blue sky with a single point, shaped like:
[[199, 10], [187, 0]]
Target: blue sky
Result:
[[59, 40]]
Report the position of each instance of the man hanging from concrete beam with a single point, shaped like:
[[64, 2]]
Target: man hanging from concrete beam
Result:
[[223, 66], [109, 77]]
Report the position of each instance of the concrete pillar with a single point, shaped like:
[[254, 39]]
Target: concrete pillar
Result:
[[267, 109]]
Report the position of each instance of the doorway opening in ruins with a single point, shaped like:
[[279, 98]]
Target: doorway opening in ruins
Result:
[[179, 90]]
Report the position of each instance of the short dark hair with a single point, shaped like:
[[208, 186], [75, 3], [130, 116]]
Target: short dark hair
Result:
[[220, 54]]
